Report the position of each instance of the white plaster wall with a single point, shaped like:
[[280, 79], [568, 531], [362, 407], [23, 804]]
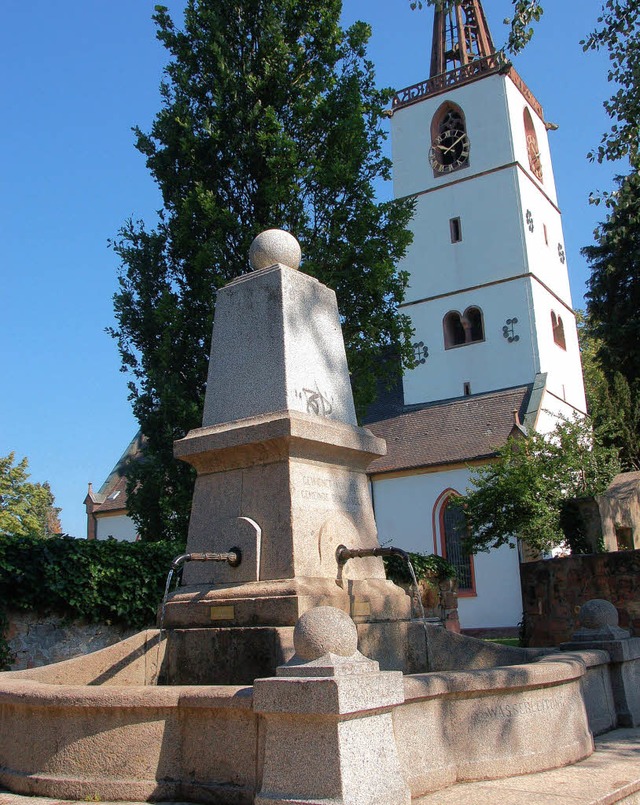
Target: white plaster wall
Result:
[[551, 410], [493, 242], [118, 526], [484, 103], [563, 367], [543, 257], [488, 365], [516, 105], [404, 508]]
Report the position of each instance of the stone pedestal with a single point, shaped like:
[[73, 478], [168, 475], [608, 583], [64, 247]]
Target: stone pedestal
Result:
[[599, 630], [328, 729], [281, 467]]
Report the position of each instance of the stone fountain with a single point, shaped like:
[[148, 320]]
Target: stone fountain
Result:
[[281, 674], [281, 466]]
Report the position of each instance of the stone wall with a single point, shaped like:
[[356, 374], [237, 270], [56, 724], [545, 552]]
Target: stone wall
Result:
[[40, 640], [553, 590]]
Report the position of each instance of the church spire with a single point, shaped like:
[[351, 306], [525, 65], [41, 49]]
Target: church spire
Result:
[[460, 36]]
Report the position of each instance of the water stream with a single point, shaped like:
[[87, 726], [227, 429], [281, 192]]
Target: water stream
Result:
[[343, 554], [233, 557]]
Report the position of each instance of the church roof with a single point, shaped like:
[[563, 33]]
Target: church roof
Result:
[[112, 495], [451, 432]]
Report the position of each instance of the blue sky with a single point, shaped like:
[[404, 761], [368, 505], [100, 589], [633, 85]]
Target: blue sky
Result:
[[78, 75]]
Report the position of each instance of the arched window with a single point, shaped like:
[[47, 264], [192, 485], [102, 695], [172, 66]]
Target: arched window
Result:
[[463, 328], [449, 141], [474, 324], [454, 334], [451, 524], [533, 151], [558, 330]]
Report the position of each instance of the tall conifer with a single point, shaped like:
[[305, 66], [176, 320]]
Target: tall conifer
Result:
[[270, 118]]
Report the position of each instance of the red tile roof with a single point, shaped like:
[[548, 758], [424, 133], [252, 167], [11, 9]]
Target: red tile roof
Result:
[[452, 432]]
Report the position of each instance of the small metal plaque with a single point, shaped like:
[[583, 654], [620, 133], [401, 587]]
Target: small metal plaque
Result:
[[361, 608], [226, 613]]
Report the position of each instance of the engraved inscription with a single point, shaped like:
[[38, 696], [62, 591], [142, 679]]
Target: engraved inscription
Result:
[[335, 492], [512, 709]]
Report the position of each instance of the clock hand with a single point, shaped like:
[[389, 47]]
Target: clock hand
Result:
[[453, 145]]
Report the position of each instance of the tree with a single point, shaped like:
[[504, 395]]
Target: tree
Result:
[[613, 297], [612, 403], [618, 32], [270, 118], [523, 492], [26, 509]]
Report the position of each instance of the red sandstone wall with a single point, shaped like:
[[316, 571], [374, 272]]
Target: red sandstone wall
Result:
[[553, 590]]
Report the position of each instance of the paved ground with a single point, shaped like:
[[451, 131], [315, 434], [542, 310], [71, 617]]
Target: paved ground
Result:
[[611, 775]]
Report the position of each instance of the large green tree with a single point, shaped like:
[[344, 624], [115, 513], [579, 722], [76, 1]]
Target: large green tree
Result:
[[26, 508], [613, 297], [613, 404], [523, 493], [270, 118]]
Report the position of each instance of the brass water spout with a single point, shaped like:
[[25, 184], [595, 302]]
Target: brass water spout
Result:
[[343, 554], [233, 556]]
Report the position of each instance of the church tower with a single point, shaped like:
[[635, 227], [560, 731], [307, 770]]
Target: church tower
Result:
[[488, 293]]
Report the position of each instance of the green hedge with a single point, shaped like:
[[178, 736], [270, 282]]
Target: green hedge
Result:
[[112, 582], [100, 581]]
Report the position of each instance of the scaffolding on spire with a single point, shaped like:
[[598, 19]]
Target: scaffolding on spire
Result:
[[460, 36]]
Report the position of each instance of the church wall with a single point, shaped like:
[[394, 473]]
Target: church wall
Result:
[[118, 526], [437, 265], [551, 410], [484, 104], [517, 104], [545, 254], [494, 363], [563, 366], [404, 509]]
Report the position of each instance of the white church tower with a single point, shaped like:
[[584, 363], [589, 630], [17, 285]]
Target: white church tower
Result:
[[489, 291], [489, 299]]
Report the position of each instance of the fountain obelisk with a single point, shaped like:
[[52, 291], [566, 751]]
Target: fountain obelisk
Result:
[[281, 461]]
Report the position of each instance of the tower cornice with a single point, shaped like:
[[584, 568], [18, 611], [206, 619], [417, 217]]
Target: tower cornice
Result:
[[496, 64], [462, 51]]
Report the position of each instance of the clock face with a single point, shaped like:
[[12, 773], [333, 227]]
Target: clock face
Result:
[[449, 151]]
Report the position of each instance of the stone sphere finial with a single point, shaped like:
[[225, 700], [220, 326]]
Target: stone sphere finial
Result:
[[325, 630], [274, 246], [598, 614]]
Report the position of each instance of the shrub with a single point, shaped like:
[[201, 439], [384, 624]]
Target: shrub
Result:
[[424, 565], [99, 581]]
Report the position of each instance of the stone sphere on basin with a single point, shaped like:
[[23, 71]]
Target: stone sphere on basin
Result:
[[274, 246], [597, 614], [325, 630]]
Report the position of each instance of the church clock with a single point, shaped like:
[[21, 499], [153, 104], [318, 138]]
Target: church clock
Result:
[[449, 151]]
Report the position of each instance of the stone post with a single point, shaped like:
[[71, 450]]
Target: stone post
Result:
[[599, 630], [328, 733]]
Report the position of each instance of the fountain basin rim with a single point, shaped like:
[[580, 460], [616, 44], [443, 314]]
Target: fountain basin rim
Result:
[[43, 694], [494, 681]]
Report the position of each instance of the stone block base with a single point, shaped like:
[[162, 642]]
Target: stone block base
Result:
[[225, 656], [280, 602], [239, 655]]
